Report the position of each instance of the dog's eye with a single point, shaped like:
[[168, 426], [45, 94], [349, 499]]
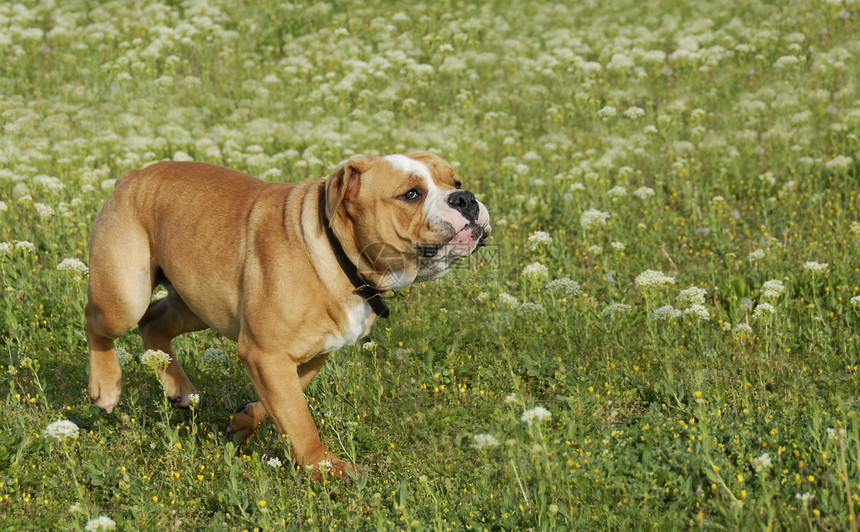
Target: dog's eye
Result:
[[458, 185], [410, 195]]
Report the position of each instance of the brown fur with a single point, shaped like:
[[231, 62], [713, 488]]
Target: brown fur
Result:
[[250, 260]]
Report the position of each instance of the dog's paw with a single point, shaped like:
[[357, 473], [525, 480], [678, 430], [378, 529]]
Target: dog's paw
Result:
[[179, 389], [334, 468], [105, 384], [106, 403], [184, 401], [246, 420], [339, 469], [104, 397]]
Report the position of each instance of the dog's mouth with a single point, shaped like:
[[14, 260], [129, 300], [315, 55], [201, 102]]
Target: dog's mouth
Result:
[[470, 239]]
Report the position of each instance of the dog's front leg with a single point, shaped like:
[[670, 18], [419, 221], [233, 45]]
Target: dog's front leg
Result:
[[277, 382], [248, 418]]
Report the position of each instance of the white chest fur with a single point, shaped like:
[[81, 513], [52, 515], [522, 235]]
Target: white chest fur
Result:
[[357, 325]]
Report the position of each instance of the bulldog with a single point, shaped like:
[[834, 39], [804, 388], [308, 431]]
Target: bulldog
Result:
[[291, 272]]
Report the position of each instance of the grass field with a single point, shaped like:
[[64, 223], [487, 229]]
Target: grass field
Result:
[[662, 334]]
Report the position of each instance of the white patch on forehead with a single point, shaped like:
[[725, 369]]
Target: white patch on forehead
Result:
[[411, 166], [435, 194]]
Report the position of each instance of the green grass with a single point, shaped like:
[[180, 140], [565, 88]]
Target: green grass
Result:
[[741, 118]]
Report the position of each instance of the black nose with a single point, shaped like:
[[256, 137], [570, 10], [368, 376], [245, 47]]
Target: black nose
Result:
[[465, 202]]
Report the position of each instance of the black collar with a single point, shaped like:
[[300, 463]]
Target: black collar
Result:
[[367, 292]]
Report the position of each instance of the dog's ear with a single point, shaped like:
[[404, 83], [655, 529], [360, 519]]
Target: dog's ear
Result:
[[344, 182]]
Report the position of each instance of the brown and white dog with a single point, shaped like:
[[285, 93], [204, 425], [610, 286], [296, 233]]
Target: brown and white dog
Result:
[[290, 272]]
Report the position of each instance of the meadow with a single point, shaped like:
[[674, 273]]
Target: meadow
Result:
[[663, 333]]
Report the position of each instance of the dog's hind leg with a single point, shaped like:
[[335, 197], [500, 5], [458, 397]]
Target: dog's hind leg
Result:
[[105, 380], [163, 321], [120, 287]]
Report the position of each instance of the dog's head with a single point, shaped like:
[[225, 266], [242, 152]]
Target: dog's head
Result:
[[403, 218]]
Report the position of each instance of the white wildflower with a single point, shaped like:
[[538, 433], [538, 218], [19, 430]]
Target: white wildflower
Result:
[[616, 193], [665, 313], [762, 463], [772, 289], [652, 279], [369, 345], [743, 330], [644, 193], [617, 246], [620, 61], [756, 255], [271, 174], [25, 246], [528, 309], [78, 268], [508, 301], [762, 310], [833, 434], [816, 267], [484, 441], [539, 239], [564, 287], [607, 112], [123, 356], [52, 184], [634, 113], [840, 163], [786, 61], [194, 400], [693, 295], [698, 114], [615, 308], [62, 429], [100, 523], [274, 462], [593, 217], [855, 302], [536, 272], [44, 211], [214, 357], [164, 81], [594, 250], [155, 359], [698, 311], [6, 248], [537, 413], [804, 497]]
